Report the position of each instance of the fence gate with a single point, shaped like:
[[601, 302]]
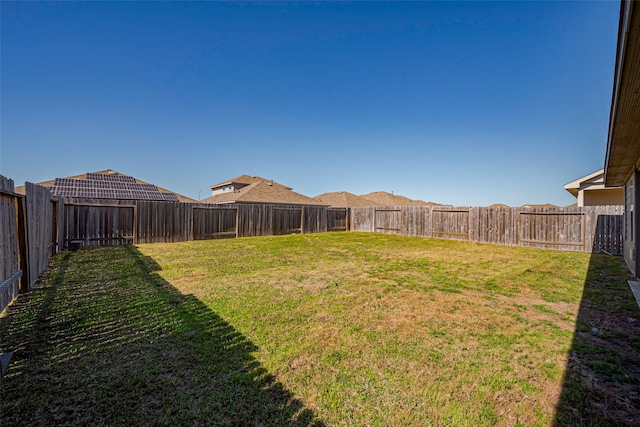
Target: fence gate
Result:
[[608, 234], [100, 225], [214, 223]]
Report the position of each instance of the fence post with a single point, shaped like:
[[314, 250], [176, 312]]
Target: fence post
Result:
[[60, 237]]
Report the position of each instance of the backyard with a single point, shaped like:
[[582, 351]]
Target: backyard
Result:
[[323, 329]]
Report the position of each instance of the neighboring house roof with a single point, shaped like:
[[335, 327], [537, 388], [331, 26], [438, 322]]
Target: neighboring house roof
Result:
[[108, 184], [344, 199], [623, 147], [387, 199], [593, 179], [246, 180], [262, 191], [498, 205], [590, 190]]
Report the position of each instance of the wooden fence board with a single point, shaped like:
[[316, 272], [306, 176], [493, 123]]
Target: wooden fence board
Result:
[[287, 220], [337, 219], [210, 222], [158, 222], [99, 225], [388, 220], [361, 218], [451, 223], [255, 220], [314, 219], [412, 221]]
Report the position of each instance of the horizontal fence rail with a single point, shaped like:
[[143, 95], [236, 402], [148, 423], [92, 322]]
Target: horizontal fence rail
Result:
[[597, 229]]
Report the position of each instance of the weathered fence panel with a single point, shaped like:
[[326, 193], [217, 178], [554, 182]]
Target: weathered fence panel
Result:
[[414, 221], [287, 221], [451, 223], [494, 225], [159, 222], [362, 219], [99, 225], [39, 225], [255, 220], [387, 220], [605, 229], [214, 222], [545, 229], [10, 271], [587, 229], [337, 219], [314, 219]]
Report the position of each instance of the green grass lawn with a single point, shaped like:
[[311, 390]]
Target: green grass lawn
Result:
[[329, 329]]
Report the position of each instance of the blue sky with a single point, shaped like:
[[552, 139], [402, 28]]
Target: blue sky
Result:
[[466, 103]]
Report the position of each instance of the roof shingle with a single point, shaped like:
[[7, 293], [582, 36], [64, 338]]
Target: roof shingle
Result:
[[344, 199], [262, 191]]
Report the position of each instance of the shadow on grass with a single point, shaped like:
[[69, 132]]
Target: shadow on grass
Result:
[[104, 340], [601, 386]]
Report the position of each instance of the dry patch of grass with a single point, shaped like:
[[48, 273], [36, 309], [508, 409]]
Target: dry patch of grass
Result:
[[348, 328]]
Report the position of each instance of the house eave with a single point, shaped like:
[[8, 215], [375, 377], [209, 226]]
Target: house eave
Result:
[[572, 190], [623, 149], [576, 183]]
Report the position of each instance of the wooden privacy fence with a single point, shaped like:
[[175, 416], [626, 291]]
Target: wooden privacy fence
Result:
[[586, 229], [29, 228], [10, 271], [96, 222], [99, 222]]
